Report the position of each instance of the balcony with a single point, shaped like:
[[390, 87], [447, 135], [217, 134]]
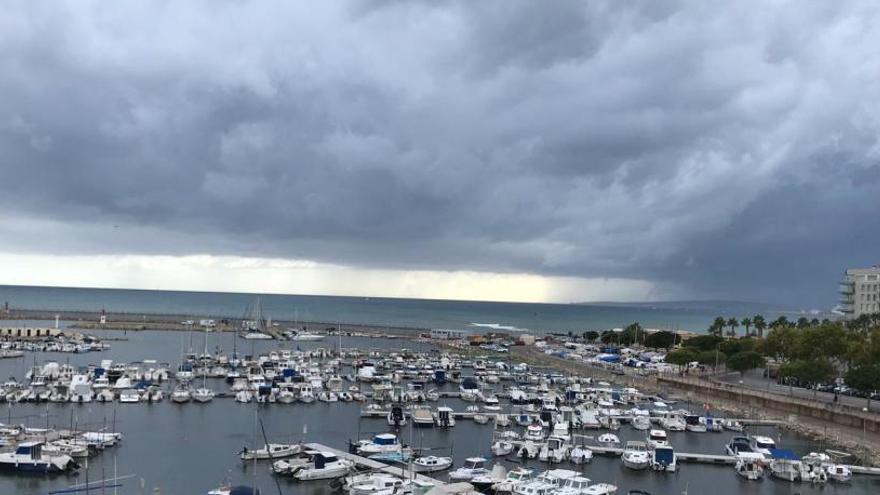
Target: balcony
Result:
[[848, 288]]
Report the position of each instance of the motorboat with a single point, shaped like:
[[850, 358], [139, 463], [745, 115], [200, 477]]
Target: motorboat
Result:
[[738, 445], [29, 457], [641, 422], [580, 455], [749, 465], [129, 396], [732, 425], [555, 450], [328, 396], [785, 465], [444, 417], [664, 459], [379, 484], [271, 451], [431, 463], [580, 485], [762, 445], [322, 466], [839, 473], [382, 443], [529, 449], [635, 456], [473, 466], [502, 447], [514, 478], [422, 417], [534, 433], [657, 438], [672, 422], [396, 418], [484, 483], [305, 336], [693, 424], [608, 440]]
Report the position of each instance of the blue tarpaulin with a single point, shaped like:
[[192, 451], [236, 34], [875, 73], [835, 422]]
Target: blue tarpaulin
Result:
[[785, 454]]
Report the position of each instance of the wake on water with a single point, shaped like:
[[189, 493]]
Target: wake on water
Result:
[[498, 326]]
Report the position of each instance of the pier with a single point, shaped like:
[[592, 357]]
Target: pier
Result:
[[376, 466]]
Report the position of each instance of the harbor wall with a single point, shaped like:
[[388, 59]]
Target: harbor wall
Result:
[[838, 414]]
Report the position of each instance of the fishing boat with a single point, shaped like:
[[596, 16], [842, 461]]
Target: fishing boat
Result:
[[749, 465], [732, 425], [430, 464], [29, 457], [693, 424], [635, 456], [473, 466], [271, 451]]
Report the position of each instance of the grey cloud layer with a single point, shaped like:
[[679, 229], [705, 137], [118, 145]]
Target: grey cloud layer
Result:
[[730, 150]]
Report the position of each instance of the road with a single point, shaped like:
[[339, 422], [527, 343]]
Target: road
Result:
[[755, 381]]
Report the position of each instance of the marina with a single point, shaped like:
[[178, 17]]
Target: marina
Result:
[[383, 374]]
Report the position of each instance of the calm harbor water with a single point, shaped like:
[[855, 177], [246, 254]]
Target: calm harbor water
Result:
[[420, 313], [191, 448]]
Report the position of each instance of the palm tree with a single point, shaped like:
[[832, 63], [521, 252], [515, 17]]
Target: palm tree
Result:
[[760, 324], [780, 322], [803, 322], [733, 323], [747, 322], [717, 327]]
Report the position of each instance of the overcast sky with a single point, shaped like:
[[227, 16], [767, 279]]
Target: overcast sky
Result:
[[546, 151]]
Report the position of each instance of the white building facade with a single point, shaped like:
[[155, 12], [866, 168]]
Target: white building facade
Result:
[[860, 292]]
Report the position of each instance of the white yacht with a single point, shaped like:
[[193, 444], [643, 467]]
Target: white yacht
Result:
[[382, 443], [473, 466], [657, 438], [635, 456], [762, 445], [322, 466], [29, 457]]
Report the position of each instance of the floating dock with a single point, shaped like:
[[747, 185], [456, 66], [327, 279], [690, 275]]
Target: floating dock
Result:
[[376, 466]]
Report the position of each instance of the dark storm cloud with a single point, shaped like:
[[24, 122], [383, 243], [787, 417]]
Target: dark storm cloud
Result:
[[727, 149]]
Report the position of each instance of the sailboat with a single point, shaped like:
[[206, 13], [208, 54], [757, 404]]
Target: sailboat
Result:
[[203, 393]]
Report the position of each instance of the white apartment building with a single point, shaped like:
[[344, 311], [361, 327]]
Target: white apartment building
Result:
[[860, 292]]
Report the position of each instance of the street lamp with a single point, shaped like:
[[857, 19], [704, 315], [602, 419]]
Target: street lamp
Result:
[[865, 431], [740, 393]]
